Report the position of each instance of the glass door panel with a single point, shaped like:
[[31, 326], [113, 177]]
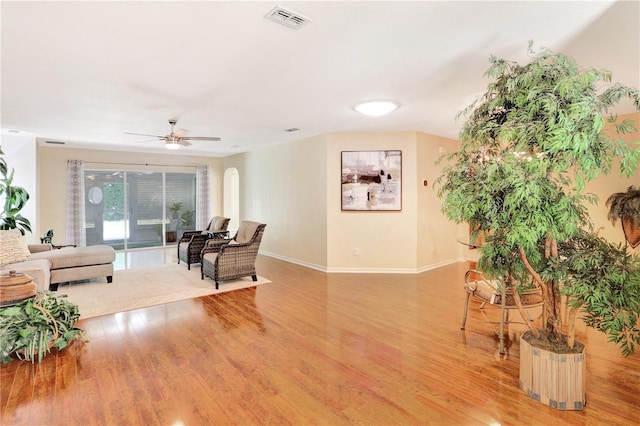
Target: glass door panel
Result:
[[128, 209], [181, 204], [146, 206], [105, 213]]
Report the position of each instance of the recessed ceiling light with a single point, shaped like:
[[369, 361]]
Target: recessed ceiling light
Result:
[[376, 108]]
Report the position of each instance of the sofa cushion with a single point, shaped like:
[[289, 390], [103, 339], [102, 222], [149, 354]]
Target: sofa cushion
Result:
[[13, 247], [37, 269], [71, 257]]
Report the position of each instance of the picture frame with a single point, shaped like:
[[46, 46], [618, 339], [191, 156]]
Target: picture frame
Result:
[[371, 180]]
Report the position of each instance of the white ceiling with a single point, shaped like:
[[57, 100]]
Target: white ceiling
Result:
[[85, 72]]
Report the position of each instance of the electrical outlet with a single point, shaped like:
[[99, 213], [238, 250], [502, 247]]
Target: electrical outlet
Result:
[[356, 252]]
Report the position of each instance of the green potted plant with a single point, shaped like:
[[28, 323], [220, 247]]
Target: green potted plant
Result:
[[528, 146], [186, 219], [31, 328], [174, 209], [14, 197], [626, 207], [186, 223]]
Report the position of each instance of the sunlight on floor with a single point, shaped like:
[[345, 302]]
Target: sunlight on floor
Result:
[[145, 257]]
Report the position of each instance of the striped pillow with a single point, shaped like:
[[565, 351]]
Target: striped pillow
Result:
[[13, 247]]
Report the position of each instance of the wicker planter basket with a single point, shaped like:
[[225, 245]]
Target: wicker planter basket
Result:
[[556, 380], [15, 287]]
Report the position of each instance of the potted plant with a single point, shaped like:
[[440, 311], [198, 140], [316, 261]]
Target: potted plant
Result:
[[14, 197], [186, 223], [174, 209], [32, 327], [186, 219], [626, 207], [528, 146]]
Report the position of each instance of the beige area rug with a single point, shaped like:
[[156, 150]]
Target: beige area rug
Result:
[[147, 286]]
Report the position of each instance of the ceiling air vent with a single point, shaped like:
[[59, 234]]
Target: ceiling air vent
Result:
[[55, 142], [287, 18]]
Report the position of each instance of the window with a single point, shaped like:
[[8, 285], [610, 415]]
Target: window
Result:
[[130, 209]]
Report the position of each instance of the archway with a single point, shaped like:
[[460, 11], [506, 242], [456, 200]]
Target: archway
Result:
[[231, 184]]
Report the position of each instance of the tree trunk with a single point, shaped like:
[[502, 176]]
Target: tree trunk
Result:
[[523, 313], [550, 291], [571, 333], [552, 301]]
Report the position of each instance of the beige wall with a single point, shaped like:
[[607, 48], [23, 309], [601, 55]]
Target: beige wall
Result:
[[52, 178], [295, 189], [436, 233], [409, 240], [284, 187], [386, 241], [605, 185]]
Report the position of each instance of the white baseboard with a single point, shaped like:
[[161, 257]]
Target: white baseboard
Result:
[[295, 261], [350, 270]]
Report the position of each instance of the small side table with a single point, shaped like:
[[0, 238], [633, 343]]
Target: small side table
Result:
[[62, 246], [218, 235]]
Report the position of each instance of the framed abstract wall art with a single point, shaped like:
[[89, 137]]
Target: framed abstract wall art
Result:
[[371, 180]]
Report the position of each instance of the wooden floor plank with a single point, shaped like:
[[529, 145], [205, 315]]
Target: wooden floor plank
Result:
[[309, 348]]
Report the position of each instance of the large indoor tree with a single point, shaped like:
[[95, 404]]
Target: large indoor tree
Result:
[[528, 147]]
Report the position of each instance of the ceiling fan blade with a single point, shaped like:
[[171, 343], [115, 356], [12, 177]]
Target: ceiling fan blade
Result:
[[148, 140], [184, 143], [142, 134], [201, 138]]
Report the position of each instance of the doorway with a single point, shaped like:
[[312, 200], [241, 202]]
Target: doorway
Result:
[[129, 209], [231, 193]]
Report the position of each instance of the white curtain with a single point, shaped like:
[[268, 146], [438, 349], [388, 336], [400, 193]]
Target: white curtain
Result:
[[202, 197], [75, 203]]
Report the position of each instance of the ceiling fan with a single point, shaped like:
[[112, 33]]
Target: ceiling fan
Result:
[[176, 138]]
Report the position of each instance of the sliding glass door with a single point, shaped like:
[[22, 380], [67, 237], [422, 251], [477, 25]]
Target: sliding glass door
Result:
[[129, 209]]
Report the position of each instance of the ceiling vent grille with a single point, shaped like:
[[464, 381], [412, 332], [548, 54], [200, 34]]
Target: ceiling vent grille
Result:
[[55, 142], [287, 18]]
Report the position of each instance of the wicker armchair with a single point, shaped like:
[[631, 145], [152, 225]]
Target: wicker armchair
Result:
[[230, 259], [192, 242]]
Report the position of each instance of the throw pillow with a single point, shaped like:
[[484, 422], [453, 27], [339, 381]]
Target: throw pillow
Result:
[[215, 224], [13, 247]]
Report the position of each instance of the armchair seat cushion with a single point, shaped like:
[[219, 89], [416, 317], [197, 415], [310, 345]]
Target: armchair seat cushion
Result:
[[489, 291], [218, 223], [247, 232], [230, 259], [192, 242]]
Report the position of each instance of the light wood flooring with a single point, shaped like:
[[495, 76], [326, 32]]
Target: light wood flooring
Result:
[[309, 348]]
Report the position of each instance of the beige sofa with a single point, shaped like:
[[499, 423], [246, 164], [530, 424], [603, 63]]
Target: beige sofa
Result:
[[49, 267]]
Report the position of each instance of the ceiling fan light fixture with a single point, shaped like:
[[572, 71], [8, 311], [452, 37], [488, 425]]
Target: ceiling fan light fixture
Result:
[[172, 145], [376, 108]]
